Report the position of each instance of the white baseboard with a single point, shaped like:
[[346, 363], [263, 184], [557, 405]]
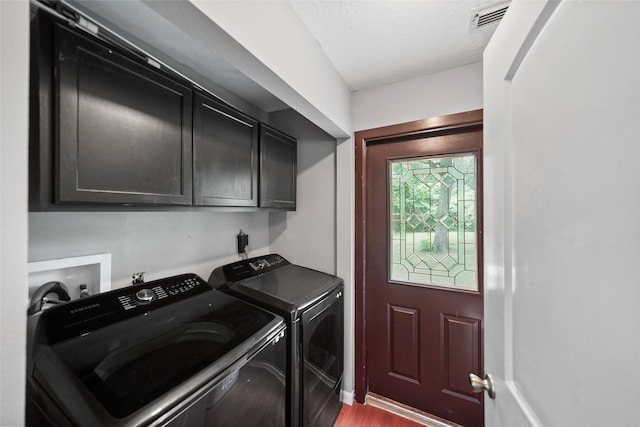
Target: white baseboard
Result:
[[407, 412], [346, 397]]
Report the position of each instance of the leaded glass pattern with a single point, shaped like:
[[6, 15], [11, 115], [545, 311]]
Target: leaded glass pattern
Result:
[[433, 221]]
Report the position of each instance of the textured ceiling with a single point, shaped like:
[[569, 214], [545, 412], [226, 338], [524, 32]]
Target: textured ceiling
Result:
[[379, 42]]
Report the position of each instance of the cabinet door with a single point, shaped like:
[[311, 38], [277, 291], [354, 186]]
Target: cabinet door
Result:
[[278, 169], [225, 162], [123, 131]]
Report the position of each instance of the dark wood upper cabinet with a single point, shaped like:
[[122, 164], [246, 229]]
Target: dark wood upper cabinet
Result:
[[109, 130], [225, 155], [122, 130], [278, 169]]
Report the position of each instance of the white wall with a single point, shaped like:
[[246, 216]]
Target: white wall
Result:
[[158, 243], [450, 91], [276, 51], [345, 223], [308, 235], [14, 92]]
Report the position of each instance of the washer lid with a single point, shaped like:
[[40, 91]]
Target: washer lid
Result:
[[287, 290], [140, 367]]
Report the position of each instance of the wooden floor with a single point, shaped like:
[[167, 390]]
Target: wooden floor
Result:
[[359, 415]]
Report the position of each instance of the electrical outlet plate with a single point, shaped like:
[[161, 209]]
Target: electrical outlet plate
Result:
[[92, 270]]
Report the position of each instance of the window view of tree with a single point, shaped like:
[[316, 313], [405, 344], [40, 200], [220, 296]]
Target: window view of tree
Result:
[[433, 221]]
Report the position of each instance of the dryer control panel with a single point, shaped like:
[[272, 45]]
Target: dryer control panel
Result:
[[253, 267]]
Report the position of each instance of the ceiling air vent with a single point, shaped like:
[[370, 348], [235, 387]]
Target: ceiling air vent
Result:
[[488, 14]]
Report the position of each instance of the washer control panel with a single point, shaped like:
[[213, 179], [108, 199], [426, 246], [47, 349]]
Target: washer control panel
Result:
[[163, 289], [83, 315], [145, 296]]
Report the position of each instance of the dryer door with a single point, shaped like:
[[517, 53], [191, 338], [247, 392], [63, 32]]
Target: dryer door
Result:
[[322, 360]]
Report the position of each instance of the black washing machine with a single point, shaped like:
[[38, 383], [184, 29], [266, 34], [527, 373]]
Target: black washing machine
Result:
[[311, 303], [172, 352]]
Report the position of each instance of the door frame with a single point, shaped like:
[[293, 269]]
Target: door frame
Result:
[[423, 128]]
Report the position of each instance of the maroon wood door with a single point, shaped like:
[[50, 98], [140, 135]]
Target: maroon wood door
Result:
[[423, 302]]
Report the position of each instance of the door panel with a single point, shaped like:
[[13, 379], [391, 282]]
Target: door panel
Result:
[[404, 343], [562, 235], [460, 354], [424, 314]]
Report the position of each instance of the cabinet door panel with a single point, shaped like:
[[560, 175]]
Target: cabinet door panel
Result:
[[278, 169], [225, 155], [124, 131]]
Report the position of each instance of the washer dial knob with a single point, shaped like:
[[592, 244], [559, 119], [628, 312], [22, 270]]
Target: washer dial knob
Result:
[[145, 296]]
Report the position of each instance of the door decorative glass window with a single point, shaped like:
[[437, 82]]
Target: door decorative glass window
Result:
[[433, 221]]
